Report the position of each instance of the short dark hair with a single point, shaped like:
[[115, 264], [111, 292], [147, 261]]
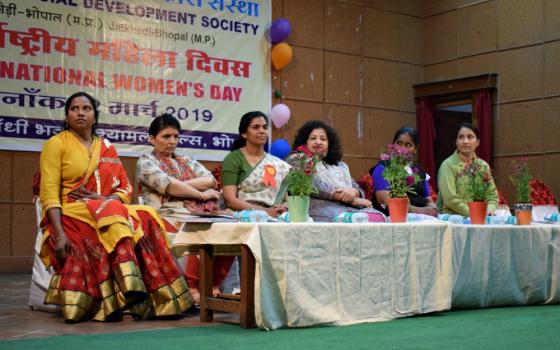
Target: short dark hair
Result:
[[468, 126], [163, 121], [94, 104], [407, 130], [244, 123], [334, 154]]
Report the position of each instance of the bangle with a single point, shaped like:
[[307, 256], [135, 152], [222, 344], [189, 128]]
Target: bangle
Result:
[[201, 198]]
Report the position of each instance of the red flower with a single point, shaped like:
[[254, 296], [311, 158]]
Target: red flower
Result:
[[305, 150], [541, 194], [410, 180]]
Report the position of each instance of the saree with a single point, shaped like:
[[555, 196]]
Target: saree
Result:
[[263, 185], [119, 261]]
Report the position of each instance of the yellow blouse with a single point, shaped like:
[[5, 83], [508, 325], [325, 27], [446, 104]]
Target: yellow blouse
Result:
[[64, 162]]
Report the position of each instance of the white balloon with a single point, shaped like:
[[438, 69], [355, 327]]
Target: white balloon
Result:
[[280, 114]]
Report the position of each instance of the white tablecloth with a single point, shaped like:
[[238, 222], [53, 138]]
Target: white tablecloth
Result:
[[505, 265], [308, 274]]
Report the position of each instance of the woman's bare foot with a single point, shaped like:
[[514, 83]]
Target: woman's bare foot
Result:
[[195, 294], [216, 292]]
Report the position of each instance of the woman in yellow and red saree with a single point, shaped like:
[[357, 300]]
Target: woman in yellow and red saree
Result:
[[109, 257]]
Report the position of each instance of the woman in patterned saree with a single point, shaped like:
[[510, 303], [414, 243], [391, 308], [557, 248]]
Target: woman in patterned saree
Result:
[[108, 257], [337, 192], [178, 187], [252, 178]]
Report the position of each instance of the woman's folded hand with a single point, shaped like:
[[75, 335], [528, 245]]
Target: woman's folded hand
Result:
[[346, 195], [210, 194], [361, 202]]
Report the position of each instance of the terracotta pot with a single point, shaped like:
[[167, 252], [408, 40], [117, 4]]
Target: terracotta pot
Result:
[[298, 208], [477, 212], [398, 209], [523, 213]]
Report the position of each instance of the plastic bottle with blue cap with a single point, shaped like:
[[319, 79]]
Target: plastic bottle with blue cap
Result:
[[352, 217], [252, 216]]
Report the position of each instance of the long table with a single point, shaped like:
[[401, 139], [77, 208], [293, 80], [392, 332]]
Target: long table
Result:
[[330, 273]]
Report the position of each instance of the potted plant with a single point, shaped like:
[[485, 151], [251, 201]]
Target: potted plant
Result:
[[299, 182], [521, 179], [477, 180], [402, 177]]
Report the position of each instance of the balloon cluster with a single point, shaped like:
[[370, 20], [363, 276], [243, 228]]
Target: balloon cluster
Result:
[[281, 55], [281, 52]]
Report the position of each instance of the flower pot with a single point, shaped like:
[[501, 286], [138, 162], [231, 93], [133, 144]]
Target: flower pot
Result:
[[523, 213], [477, 212], [298, 208], [398, 209]]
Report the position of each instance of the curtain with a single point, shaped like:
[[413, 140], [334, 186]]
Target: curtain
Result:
[[483, 112], [425, 116]]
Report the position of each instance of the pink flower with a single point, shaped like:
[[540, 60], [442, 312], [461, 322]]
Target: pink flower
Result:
[[384, 156]]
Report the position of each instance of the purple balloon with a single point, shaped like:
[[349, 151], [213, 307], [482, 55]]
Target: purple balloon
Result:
[[279, 30]]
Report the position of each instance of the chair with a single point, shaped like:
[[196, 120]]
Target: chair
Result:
[[41, 275]]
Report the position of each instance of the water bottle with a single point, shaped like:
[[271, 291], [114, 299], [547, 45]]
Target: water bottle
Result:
[[554, 217], [452, 218], [284, 217], [501, 220], [251, 216], [353, 217]]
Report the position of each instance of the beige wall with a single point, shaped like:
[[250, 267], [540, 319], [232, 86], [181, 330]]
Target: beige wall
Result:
[[519, 40], [354, 65]]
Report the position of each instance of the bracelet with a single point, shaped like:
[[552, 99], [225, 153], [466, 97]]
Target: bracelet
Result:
[[201, 198]]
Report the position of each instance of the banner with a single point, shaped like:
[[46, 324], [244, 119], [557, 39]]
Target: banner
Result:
[[206, 62]]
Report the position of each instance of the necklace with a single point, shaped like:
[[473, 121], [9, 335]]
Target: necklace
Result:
[[251, 159]]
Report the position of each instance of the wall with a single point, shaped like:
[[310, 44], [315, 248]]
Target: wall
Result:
[[354, 66], [519, 40]]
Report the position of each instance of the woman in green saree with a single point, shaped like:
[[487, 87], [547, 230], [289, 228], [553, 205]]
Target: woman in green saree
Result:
[[252, 178]]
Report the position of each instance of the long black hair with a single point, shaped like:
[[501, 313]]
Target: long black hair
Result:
[[334, 154], [94, 104], [163, 121], [407, 130], [244, 123]]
